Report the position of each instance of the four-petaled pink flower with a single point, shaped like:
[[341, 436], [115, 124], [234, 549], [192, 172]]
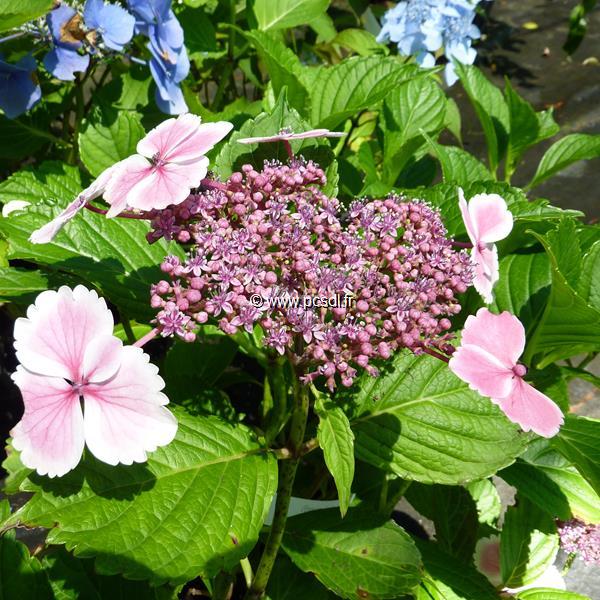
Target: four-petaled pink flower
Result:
[[487, 360], [67, 352], [487, 220], [286, 135], [170, 161]]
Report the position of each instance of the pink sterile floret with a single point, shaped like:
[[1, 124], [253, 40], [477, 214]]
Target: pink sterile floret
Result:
[[67, 352]]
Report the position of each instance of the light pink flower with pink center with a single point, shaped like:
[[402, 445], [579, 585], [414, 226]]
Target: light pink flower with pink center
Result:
[[286, 135], [170, 162], [487, 360], [487, 220], [68, 353]]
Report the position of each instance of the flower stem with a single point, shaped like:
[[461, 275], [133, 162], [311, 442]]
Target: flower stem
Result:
[[127, 329], [146, 338], [467, 245], [435, 354], [287, 474]]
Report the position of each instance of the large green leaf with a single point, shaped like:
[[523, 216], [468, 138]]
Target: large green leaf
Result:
[[550, 481], [523, 287], [337, 442], [458, 166], [528, 544], [568, 324], [589, 283], [447, 578], [491, 110], [27, 134], [108, 136], [579, 441], [281, 14], [357, 83], [282, 65], [13, 14], [75, 579], [570, 149], [454, 514], [196, 507], [487, 500], [109, 253], [549, 594], [287, 582], [21, 284], [419, 421], [360, 556]]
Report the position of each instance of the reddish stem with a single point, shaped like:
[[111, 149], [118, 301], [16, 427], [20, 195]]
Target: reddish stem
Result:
[[146, 338], [212, 184], [288, 149], [101, 211], [462, 244], [435, 354]]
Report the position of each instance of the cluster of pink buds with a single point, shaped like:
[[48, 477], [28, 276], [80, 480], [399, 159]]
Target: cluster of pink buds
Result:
[[581, 538], [333, 288]]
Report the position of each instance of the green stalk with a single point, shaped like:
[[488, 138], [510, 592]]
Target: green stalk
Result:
[[287, 474]]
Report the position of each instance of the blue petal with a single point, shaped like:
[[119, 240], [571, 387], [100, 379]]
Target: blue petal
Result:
[[64, 62], [174, 104], [19, 90], [450, 74], [91, 13], [150, 11]]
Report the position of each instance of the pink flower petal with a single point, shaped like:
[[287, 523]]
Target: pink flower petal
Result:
[[502, 336], [131, 172], [466, 216], [102, 358], [46, 234], [484, 373], [289, 136], [50, 434], [59, 326], [199, 143], [166, 185], [531, 409], [493, 221], [487, 270], [164, 138], [125, 417]]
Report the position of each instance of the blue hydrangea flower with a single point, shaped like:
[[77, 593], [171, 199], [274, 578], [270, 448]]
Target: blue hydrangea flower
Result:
[[113, 23], [169, 64], [63, 61], [423, 27], [19, 89]]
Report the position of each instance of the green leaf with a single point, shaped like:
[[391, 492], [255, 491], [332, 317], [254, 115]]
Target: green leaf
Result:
[[528, 544], [109, 253], [410, 108], [568, 325], [282, 65], [107, 137], [589, 281], [287, 582], [198, 32], [358, 556], [446, 578], [549, 594], [550, 481], [419, 421], [458, 166], [17, 284], [281, 14], [454, 514], [579, 441], [523, 287], [135, 88], [360, 41], [195, 508], [570, 149], [27, 134], [337, 442], [13, 14], [491, 110], [357, 83], [21, 575], [72, 579], [452, 120], [487, 499]]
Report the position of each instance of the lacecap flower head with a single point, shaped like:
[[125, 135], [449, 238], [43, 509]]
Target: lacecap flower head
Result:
[[81, 386]]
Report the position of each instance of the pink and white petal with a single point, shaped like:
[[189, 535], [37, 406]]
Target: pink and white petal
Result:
[[102, 358], [194, 147], [466, 216], [487, 271], [260, 140], [130, 172], [314, 133], [59, 326], [531, 409], [481, 371], [502, 336], [50, 434], [48, 232], [125, 417], [493, 221], [168, 135], [167, 185]]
